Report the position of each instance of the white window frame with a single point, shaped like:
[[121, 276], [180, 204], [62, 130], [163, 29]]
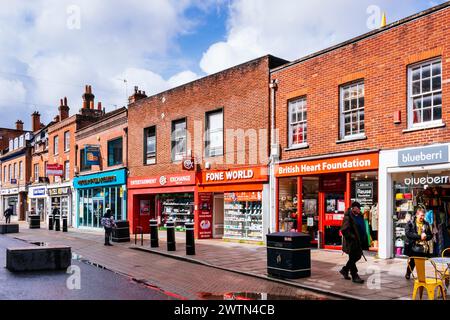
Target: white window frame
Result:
[[217, 150], [152, 159], [66, 141], [66, 170], [55, 145], [21, 170], [432, 92], [36, 172], [342, 112], [301, 110], [179, 140]]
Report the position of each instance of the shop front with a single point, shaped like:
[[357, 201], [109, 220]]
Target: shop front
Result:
[[60, 197], [38, 200], [414, 178], [97, 192], [234, 204], [164, 198], [15, 198], [313, 195]]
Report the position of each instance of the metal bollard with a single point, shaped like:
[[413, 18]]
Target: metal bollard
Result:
[[190, 239], [50, 222], [64, 220], [171, 245], [154, 241], [57, 223]]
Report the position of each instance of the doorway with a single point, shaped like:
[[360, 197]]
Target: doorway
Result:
[[218, 217], [98, 207]]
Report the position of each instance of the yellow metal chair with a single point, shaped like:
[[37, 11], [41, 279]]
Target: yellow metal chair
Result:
[[446, 271], [422, 282]]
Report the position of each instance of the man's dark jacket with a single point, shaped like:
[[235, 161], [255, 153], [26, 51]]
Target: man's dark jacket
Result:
[[352, 241], [8, 212], [412, 235]]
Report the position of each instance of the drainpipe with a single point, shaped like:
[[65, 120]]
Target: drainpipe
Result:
[[273, 156]]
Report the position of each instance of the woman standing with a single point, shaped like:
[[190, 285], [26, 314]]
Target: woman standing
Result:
[[418, 233], [108, 223]]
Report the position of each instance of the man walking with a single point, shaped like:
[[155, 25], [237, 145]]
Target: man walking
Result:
[[355, 241], [108, 223], [8, 213]]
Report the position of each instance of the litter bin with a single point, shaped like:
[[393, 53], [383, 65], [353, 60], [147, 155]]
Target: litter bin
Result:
[[34, 221], [288, 255], [122, 232]]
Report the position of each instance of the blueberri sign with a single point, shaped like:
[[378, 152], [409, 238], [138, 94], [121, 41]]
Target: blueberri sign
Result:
[[423, 156]]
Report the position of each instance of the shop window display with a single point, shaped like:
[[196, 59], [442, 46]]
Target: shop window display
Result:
[[243, 216], [177, 207], [430, 191], [287, 204]]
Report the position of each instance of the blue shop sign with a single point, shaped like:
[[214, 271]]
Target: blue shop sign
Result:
[[39, 192], [102, 179]]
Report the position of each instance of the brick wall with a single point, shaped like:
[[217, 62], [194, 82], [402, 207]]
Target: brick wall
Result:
[[242, 92], [382, 60]]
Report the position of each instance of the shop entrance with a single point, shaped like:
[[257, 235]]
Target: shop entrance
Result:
[[98, 208], [218, 217]]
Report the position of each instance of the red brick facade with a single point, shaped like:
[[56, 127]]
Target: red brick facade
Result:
[[381, 59]]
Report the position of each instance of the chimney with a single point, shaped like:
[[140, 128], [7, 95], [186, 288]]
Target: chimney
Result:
[[138, 95], [36, 121], [99, 106], [88, 97], [63, 109], [19, 125]]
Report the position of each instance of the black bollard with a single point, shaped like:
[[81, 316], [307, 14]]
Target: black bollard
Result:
[[154, 241], [57, 223], [50, 222], [64, 220], [171, 245], [190, 239]]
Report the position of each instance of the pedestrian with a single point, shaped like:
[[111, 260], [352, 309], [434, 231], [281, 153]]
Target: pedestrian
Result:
[[8, 213], [55, 212], [355, 241], [418, 233], [108, 223]]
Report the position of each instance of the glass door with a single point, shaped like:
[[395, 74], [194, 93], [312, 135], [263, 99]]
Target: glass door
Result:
[[334, 205], [98, 208]]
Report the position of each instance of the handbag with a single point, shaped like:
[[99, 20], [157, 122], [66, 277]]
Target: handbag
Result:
[[420, 247]]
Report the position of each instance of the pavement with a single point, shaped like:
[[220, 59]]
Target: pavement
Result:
[[221, 267]]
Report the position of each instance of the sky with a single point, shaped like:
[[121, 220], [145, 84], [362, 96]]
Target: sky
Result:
[[51, 49]]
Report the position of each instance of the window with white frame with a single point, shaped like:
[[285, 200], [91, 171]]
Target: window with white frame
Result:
[[66, 141], [214, 133], [5, 175], [56, 145], [178, 139], [425, 93], [352, 110], [21, 170], [10, 168], [67, 170], [36, 172], [297, 122], [150, 145], [15, 171]]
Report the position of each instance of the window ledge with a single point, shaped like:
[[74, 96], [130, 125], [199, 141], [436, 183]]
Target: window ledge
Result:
[[298, 147], [433, 126], [352, 139]]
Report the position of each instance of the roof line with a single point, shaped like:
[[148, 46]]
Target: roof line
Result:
[[365, 36]]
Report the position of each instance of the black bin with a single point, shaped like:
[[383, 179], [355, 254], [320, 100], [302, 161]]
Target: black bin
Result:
[[122, 232], [34, 221], [288, 255]]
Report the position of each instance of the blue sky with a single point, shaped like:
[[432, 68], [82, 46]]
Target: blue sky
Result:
[[53, 48]]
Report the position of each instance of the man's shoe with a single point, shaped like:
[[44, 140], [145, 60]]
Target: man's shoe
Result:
[[109, 244], [345, 274], [357, 279]]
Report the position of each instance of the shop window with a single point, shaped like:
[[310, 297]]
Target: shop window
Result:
[[178, 140], [83, 165], [115, 148], [297, 122], [55, 145], [352, 110], [150, 145], [364, 189], [287, 204], [429, 191], [214, 134], [66, 141], [425, 94]]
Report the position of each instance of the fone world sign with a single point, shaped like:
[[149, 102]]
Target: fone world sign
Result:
[[423, 156]]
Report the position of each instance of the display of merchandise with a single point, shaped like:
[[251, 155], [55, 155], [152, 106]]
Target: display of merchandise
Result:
[[403, 211], [178, 208], [242, 219]]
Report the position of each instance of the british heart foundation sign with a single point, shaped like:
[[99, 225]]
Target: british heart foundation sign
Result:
[[361, 162]]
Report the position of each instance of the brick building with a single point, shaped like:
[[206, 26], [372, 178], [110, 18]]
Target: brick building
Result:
[[336, 109], [15, 170], [102, 161], [62, 162], [200, 151]]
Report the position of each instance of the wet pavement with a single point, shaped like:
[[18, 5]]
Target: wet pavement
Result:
[[94, 282]]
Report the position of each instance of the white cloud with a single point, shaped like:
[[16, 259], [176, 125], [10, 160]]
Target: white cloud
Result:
[[11, 90], [291, 29]]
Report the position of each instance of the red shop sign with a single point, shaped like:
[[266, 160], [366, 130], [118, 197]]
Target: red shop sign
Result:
[[55, 169], [169, 180]]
